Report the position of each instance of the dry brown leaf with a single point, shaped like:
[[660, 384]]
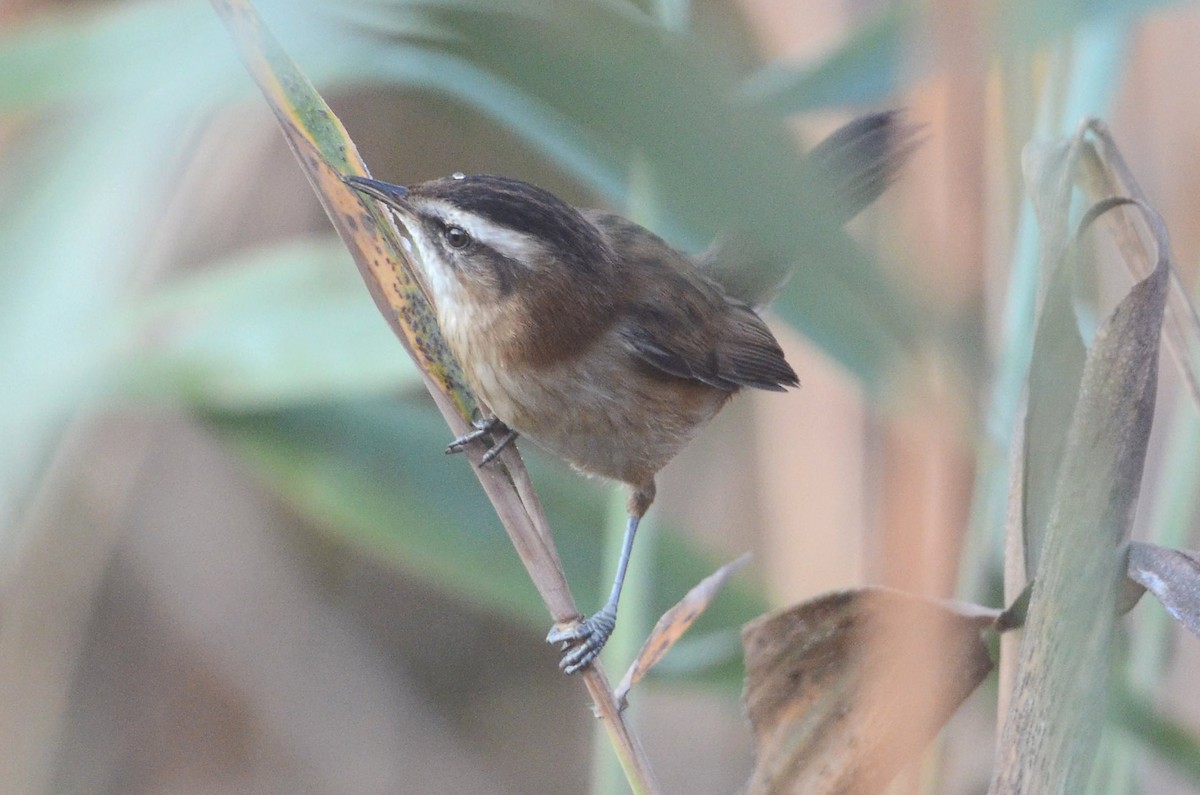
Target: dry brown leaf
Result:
[[1173, 575], [844, 690], [675, 622]]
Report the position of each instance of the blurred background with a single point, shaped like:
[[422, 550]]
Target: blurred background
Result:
[[233, 558]]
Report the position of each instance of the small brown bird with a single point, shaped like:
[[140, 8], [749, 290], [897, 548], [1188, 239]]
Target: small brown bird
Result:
[[595, 338]]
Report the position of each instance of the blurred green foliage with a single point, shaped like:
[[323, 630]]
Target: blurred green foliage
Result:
[[281, 350]]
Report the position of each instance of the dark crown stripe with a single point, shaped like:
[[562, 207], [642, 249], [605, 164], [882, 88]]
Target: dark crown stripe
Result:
[[528, 209]]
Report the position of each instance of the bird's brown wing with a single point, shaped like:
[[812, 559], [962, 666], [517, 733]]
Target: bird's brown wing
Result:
[[693, 331], [679, 321]]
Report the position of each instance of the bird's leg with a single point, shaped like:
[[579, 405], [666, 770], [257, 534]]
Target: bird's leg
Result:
[[501, 434], [582, 642]]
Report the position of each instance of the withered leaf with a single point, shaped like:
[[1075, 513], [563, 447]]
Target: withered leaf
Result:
[[675, 622], [1173, 575], [1056, 367], [843, 690], [1056, 711]]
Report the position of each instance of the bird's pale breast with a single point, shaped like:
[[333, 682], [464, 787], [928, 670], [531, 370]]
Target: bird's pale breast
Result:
[[600, 411]]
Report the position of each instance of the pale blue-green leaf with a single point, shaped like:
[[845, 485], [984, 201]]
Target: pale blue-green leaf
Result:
[[129, 51], [721, 163], [1176, 744], [1056, 366], [80, 188], [69, 249], [575, 83], [134, 51], [169, 51], [1081, 82], [374, 473], [869, 67], [281, 325], [879, 58], [553, 133], [1025, 24]]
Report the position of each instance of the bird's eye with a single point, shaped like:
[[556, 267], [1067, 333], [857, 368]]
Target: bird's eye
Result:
[[458, 237]]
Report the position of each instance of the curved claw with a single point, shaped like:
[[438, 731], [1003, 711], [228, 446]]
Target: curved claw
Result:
[[582, 642], [503, 442], [570, 634], [482, 427], [490, 427]]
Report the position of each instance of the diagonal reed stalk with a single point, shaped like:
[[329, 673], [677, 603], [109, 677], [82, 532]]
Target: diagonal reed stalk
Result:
[[326, 154]]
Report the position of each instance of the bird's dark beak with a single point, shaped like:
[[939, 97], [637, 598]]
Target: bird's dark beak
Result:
[[391, 195]]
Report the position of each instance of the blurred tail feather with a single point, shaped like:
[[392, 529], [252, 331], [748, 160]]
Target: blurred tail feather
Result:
[[860, 160], [856, 164]]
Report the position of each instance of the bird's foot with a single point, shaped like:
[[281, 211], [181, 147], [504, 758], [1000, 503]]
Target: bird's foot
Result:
[[582, 642], [499, 436], [483, 427]]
